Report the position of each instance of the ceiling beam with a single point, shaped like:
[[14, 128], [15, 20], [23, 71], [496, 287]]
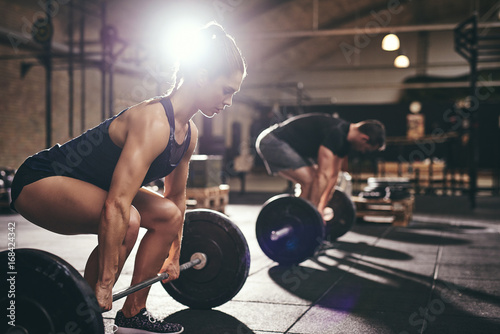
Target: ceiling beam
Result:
[[334, 24], [365, 30], [243, 17]]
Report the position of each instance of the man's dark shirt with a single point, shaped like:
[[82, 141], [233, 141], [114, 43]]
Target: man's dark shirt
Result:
[[305, 133]]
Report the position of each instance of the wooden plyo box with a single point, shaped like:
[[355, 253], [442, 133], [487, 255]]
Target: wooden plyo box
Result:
[[204, 171], [215, 198], [397, 212]]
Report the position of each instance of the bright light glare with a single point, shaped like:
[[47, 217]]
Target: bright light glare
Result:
[[390, 42], [179, 40], [401, 61], [184, 42]]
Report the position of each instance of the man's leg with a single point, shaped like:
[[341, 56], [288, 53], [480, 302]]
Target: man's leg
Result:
[[303, 176]]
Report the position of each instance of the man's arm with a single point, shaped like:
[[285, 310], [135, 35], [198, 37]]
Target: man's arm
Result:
[[330, 189], [325, 178]]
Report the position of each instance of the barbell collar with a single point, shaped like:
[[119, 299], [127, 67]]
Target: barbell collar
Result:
[[199, 256], [276, 235]]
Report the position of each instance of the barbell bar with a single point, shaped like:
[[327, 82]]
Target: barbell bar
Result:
[[198, 261]]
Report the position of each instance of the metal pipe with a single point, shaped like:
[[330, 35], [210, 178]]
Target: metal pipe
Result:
[[47, 58], [427, 85], [82, 71], [103, 61], [364, 30], [60, 50], [473, 140], [48, 99], [110, 87], [315, 15], [159, 277], [70, 70]]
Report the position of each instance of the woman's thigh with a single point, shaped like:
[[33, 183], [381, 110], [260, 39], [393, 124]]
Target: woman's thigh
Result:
[[155, 209], [62, 205]]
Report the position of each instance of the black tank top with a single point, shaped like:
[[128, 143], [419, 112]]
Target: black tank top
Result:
[[92, 157]]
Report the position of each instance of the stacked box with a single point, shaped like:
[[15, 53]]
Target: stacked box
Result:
[[204, 171], [397, 212], [215, 198]]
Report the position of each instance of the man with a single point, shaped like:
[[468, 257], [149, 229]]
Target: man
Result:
[[309, 149]]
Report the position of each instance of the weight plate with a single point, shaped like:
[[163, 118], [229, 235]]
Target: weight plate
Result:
[[389, 182], [344, 215], [392, 192], [228, 261], [308, 229], [42, 31], [48, 295]]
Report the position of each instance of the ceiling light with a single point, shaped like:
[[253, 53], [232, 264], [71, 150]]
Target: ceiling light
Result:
[[402, 61], [390, 42], [415, 107]]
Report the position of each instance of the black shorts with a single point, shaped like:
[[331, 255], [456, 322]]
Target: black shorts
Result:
[[277, 154], [24, 176]]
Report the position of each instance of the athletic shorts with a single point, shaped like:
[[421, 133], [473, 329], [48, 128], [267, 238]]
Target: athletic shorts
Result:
[[277, 154], [24, 176]]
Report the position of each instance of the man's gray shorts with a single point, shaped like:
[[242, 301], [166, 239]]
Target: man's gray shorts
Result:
[[277, 154]]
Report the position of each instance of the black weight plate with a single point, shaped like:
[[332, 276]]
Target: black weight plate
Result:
[[344, 215], [42, 31], [372, 194], [228, 261], [384, 189], [389, 182], [382, 192], [50, 295], [308, 229]]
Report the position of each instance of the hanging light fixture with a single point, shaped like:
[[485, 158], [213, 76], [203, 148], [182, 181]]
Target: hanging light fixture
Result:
[[390, 42], [401, 61]]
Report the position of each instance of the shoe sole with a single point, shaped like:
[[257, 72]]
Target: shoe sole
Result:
[[124, 330]]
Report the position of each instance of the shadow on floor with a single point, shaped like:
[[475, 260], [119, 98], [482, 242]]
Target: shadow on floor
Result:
[[414, 234], [390, 299], [208, 322], [487, 207], [363, 248]]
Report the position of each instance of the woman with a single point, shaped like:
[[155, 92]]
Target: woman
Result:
[[93, 183]]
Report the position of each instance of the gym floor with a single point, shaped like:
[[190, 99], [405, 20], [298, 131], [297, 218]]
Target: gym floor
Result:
[[440, 274]]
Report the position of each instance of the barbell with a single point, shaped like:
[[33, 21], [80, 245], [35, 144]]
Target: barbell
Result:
[[289, 229], [45, 294]]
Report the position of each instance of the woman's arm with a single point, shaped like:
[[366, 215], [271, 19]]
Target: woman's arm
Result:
[[175, 190], [143, 136]]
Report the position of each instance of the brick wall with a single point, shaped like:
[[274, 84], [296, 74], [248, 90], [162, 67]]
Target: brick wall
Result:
[[22, 99], [22, 106]]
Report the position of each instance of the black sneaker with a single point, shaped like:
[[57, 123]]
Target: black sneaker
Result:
[[144, 323]]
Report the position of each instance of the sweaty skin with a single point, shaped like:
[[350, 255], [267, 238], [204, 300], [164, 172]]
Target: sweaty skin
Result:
[[116, 215], [134, 133]]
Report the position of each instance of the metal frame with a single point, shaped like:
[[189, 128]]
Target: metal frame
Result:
[[475, 48], [74, 57]]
